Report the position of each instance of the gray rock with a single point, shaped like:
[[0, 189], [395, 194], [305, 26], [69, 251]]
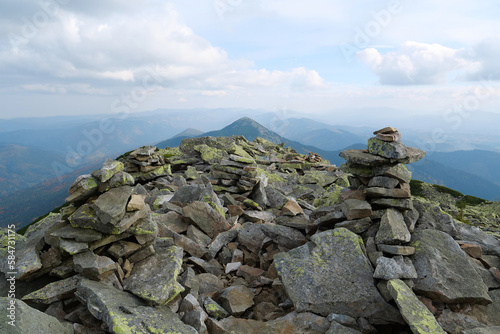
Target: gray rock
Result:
[[78, 234], [483, 330], [336, 328], [398, 267], [214, 309], [20, 318], [437, 258], [251, 236], [398, 172], [83, 187], [391, 150], [55, 291], [411, 218], [363, 158], [123, 249], [93, 266], [108, 169], [73, 247], [343, 319], [236, 299], [85, 217], [275, 197], [383, 181], [396, 249], [259, 195], [356, 209], [413, 311], [222, 240], [402, 204], [125, 313], [155, 278], [299, 222], [284, 236], [384, 192], [295, 322], [256, 216], [331, 274], [357, 226], [432, 217], [392, 228], [118, 180], [488, 314], [110, 206], [489, 244], [456, 323], [206, 218]]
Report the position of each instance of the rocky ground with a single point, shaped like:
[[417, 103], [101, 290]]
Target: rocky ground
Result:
[[223, 235]]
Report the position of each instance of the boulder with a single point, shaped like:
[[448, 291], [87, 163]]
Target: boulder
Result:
[[331, 274], [413, 311], [155, 278], [110, 207], [392, 228], [236, 299], [391, 150], [125, 313], [206, 218], [437, 258], [93, 266], [83, 187], [19, 318], [108, 169]]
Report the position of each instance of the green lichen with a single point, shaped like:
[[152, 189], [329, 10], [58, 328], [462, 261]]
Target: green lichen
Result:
[[271, 177], [209, 154]]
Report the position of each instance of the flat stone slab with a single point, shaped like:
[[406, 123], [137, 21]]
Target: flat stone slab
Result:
[[53, 292], [356, 209], [155, 278], [390, 150], [444, 271], [416, 314], [394, 268], [126, 313], [110, 206], [78, 234], [93, 266], [331, 274], [362, 157], [206, 218]]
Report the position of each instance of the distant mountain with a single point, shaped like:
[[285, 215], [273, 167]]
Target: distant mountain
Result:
[[248, 128], [430, 171]]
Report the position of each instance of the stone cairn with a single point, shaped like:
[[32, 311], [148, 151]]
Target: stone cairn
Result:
[[381, 194]]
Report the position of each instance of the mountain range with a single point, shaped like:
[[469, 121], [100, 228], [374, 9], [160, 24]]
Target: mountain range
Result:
[[27, 156]]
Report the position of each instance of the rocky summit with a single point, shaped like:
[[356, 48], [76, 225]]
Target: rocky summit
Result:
[[224, 235]]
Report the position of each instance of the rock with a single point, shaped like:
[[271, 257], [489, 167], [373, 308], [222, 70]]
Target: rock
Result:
[[363, 158], [222, 240], [20, 318], [488, 314], [383, 181], [196, 319], [284, 236], [235, 325], [489, 244], [251, 236], [413, 311], [206, 218], [172, 221], [432, 217], [125, 313], [437, 258], [297, 323], [118, 180], [108, 169], [495, 273], [291, 208], [384, 192], [397, 267], [54, 292], [250, 274], [356, 209], [236, 299], [336, 328], [483, 330], [93, 266], [402, 204], [123, 249], [142, 254], [78, 234], [209, 284], [83, 187], [396, 249], [299, 222], [73, 247], [392, 228], [110, 206], [357, 226], [136, 202], [259, 195], [258, 216], [331, 274], [456, 323], [155, 278], [398, 172], [390, 150], [213, 309]]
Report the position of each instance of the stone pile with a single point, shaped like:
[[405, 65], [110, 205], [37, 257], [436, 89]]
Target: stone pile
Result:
[[223, 235]]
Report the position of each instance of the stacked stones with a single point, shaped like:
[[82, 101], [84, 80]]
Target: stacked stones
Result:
[[236, 174]]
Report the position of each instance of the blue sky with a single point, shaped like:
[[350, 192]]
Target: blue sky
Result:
[[68, 57]]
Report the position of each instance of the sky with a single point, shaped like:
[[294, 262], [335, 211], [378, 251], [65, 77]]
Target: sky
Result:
[[69, 57]]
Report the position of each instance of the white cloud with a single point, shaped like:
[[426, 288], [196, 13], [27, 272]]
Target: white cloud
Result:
[[417, 63]]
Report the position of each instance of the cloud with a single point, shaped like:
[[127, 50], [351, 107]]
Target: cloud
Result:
[[487, 54], [415, 63]]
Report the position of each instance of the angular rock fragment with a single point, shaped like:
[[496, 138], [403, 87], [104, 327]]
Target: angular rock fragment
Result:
[[392, 229], [356, 209], [206, 218], [236, 299]]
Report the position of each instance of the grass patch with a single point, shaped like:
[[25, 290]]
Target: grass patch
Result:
[[470, 200], [416, 188], [446, 190]]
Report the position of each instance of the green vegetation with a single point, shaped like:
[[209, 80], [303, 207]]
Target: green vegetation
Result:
[[469, 200], [416, 188], [446, 190]]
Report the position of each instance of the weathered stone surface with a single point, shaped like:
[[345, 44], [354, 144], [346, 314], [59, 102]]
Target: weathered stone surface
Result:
[[118, 180], [110, 206], [402, 204], [389, 136], [214, 309], [437, 258], [392, 229], [251, 236], [93, 266], [108, 169], [489, 244], [155, 278], [299, 222], [336, 328], [236, 299], [206, 218], [483, 330], [172, 221], [73, 247], [125, 313], [398, 267], [432, 217], [398, 172], [236, 325], [383, 181], [221, 240], [78, 234], [488, 314], [396, 249], [391, 150], [136, 202], [297, 323], [456, 323], [284, 236], [258, 216], [291, 208], [53, 292], [82, 188], [123, 249], [357, 226], [28, 320], [356, 209], [384, 192], [331, 274], [413, 311], [363, 158]]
